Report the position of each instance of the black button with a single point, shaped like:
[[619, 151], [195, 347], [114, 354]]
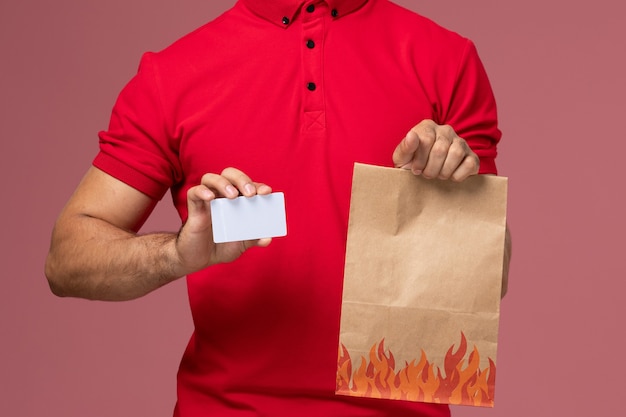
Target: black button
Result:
[[310, 8], [334, 12], [310, 44], [311, 86], [285, 20]]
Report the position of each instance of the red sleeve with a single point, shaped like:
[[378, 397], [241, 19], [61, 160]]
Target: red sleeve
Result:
[[138, 147], [470, 108]]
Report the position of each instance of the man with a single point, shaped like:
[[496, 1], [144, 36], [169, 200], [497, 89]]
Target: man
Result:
[[278, 95]]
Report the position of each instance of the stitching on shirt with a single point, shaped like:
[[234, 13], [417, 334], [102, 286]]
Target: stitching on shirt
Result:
[[314, 120]]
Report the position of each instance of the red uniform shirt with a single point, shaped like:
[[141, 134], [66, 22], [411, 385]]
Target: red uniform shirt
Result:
[[292, 93]]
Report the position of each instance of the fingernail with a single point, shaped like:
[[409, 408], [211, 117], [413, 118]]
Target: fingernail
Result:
[[230, 190], [250, 190]]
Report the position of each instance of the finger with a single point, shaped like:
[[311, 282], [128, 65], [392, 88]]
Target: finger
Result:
[[244, 184], [467, 168], [262, 243], [438, 154], [229, 251], [198, 199], [220, 185], [427, 135], [457, 152], [413, 151], [403, 154], [240, 180], [461, 162], [262, 189], [200, 194]]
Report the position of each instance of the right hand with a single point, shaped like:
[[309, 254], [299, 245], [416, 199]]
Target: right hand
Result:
[[194, 244]]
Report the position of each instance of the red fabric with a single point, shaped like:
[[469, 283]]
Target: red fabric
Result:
[[234, 93]]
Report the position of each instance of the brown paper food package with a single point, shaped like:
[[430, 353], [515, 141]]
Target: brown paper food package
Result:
[[422, 284]]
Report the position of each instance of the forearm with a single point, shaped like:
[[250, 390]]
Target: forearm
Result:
[[90, 258]]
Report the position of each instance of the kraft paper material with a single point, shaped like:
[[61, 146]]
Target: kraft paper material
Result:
[[422, 284]]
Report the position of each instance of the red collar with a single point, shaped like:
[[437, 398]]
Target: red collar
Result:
[[283, 12]]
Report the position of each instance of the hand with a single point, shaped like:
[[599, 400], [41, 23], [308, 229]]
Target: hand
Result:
[[436, 151], [195, 246]]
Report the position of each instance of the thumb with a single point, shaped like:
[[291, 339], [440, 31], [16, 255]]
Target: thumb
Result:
[[405, 151], [198, 207]]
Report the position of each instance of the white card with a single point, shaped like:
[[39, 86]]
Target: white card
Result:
[[245, 218]]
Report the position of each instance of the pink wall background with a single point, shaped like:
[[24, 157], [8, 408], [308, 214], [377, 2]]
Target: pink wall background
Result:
[[557, 69]]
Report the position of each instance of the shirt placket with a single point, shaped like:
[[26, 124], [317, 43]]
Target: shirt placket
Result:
[[314, 14]]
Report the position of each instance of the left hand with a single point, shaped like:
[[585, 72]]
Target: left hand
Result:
[[436, 151]]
